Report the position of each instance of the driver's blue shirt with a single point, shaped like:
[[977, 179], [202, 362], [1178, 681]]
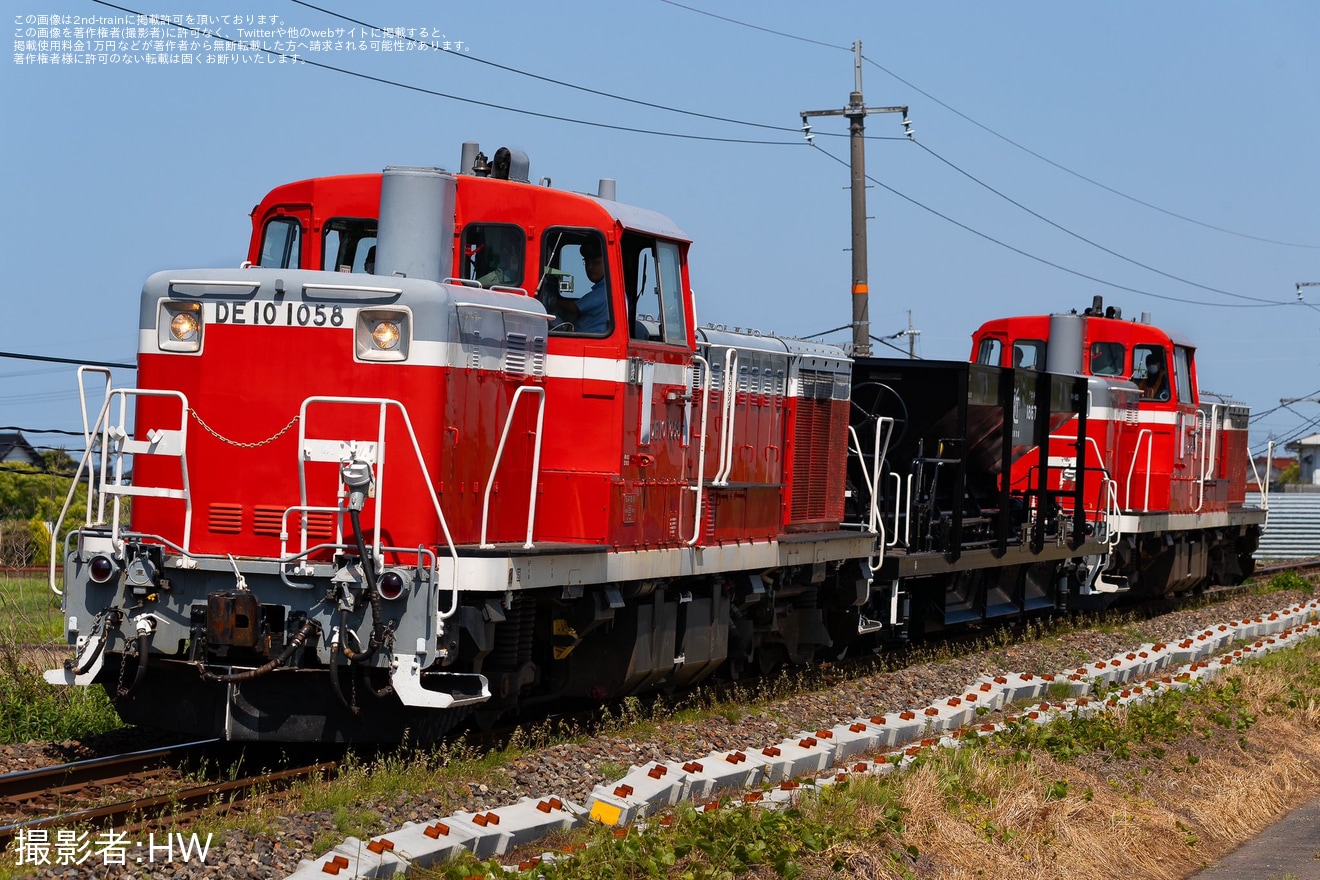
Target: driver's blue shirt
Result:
[[593, 310]]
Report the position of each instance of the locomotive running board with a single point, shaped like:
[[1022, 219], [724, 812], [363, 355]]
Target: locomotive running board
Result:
[[469, 688]]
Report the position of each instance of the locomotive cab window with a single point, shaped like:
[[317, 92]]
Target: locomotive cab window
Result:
[[1182, 373], [1029, 354], [1150, 370], [281, 241], [653, 279], [346, 244], [575, 282], [1107, 358], [989, 351], [493, 254]]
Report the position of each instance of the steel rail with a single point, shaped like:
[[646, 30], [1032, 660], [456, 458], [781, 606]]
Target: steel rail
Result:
[[177, 805]]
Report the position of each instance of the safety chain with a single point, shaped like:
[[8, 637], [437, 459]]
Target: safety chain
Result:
[[223, 439], [130, 650]]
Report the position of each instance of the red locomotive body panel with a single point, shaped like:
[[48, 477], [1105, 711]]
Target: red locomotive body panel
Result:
[[620, 438]]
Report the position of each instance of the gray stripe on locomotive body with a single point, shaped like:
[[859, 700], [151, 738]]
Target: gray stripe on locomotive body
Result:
[[431, 303]]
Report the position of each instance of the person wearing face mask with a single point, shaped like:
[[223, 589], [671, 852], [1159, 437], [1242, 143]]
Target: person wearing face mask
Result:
[[1155, 384]]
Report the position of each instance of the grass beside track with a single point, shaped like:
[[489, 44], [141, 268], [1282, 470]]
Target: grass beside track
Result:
[[31, 709], [1155, 791]]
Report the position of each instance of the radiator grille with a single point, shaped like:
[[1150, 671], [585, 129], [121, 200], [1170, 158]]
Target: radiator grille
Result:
[[267, 521], [523, 355], [225, 519], [818, 450]]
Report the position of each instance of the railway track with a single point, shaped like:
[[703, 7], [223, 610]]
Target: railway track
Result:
[[73, 795]]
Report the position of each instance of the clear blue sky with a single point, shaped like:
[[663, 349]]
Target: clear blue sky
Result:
[[1205, 109]]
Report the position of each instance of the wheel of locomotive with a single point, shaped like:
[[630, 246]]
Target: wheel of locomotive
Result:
[[1247, 565]]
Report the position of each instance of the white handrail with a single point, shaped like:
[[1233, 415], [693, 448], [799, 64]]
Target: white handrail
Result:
[[385, 403], [88, 431], [1127, 489], [884, 425], [884, 428], [907, 518], [898, 501], [856, 444], [699, 488], [124, 445], [1209, 449], [499, 454], [730, 416], [1094, 446]]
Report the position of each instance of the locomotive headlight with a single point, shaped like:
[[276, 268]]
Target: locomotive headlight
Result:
[[179, 326], [101, 568], [393, 583], [383, 334], [185, 327]]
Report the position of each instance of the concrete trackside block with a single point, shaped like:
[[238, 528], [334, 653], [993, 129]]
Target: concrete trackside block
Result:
[[719, 771], [424, 844], [883, 731], [1043, 713], [1023, 687], [370, 858], [643, 790], [485, 838], [1182, 654], [354, 859], [856, 738], [1209, 642], [787, 793], [1084, 707], [948, 714], [1127, 667], [1079, 685], [991, 691], [792, 759], [869, 768], [1201, 671], [533, 818], [907, 726], [1157, 657]]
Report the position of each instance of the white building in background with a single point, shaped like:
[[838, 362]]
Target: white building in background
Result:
[[1308, 459]]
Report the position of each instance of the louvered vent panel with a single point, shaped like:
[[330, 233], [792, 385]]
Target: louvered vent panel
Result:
[[818, 472], [267, 521], [515, 354], [225, 519]]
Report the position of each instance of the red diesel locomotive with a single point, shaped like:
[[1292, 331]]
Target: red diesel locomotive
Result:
[[587, 493]]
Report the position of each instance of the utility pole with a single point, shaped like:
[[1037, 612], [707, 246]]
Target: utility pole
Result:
[[1301, 284], [911, 333], [855, 113]]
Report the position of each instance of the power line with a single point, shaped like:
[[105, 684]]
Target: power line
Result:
[[57, 360], [1002, 137], [438, 94], [1092, 243], [1083, 177], [1280, 406], [1044, 261], [563, 83], [546, 79], [756, 27]]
